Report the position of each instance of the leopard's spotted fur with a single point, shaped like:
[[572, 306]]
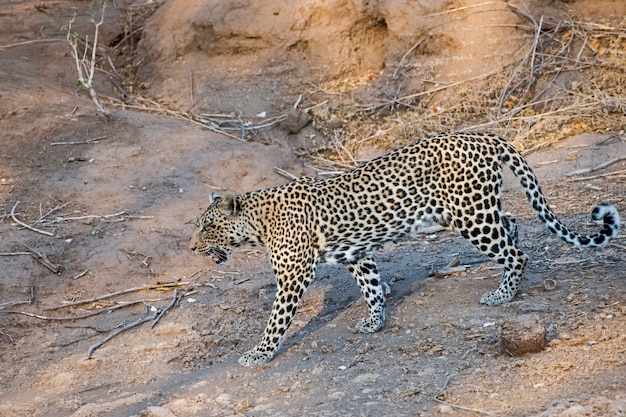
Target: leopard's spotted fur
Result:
[[451, 179]]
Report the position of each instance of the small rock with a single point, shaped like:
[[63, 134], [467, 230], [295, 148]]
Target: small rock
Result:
[[295, 121], [223, 399], [337, 395], [366, 378], [156, 412], [445, 409], [523, 334], [242, 406], [549, 284]]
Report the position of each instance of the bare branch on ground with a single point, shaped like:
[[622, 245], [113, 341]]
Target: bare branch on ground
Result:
[[21, 223]]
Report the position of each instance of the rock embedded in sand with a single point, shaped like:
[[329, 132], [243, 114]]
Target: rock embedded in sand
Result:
[[296, 120], [523, 334]]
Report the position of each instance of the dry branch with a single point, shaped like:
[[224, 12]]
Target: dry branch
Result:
[[7, 335], [597, 167], [118, 306], [151, 106], [449, 270], [25, 313], [15, 303], [90, 216], [113, 217], [459, 407], [592, 177], [170, 305], [162, 286], [21, 223], [156, 317], [12, 45], [43, 216], [43, 259], [84, 142], [458, 9], [406, 54], [119, 331], [285, 174], [82, 274]]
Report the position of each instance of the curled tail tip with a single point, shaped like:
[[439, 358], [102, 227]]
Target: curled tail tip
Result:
[[606, 212], [609, 216]]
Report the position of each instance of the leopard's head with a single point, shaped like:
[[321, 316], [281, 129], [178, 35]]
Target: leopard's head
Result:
[[219, 229]]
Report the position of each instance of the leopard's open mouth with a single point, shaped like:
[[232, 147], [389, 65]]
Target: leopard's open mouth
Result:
[[218, 255]]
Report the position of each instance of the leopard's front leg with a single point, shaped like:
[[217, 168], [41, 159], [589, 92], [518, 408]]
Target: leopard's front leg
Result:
[[292, 279]]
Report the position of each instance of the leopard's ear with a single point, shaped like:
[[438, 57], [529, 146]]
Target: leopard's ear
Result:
[[229, 205], [214, 197]]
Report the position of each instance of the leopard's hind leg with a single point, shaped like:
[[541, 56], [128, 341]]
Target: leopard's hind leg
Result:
[[510, 224], [365, 272], [495, 235]]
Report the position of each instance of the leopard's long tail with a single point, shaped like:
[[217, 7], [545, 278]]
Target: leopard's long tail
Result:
[[605, 212]]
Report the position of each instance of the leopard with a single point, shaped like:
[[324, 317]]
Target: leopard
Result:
[[450, 179]]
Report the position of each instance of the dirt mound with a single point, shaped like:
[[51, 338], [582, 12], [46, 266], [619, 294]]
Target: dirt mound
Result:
[[221, 43], [226, 44]]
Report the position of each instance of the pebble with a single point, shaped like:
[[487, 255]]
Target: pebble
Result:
[[223, 399], [336, 396]]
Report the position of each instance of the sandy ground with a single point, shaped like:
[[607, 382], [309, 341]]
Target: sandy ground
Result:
[[118, 208]]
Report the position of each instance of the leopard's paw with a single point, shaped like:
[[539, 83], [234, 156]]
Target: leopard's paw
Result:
[[494, 298], [254, 357], [370, 324]]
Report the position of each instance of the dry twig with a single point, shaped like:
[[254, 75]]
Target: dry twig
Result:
[[21, 223], [162, 286], [118, 306], [7, 335], [459, 407], [170, 305], [151, 106], [407, 53], [449, 270], [43, 216], [43, 259], [84, 142], [156, 317], [82, 274], [113, 217], [285, 174], [12, 45], [119, 331], [14, 303], [608, 174], [597, 167]]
